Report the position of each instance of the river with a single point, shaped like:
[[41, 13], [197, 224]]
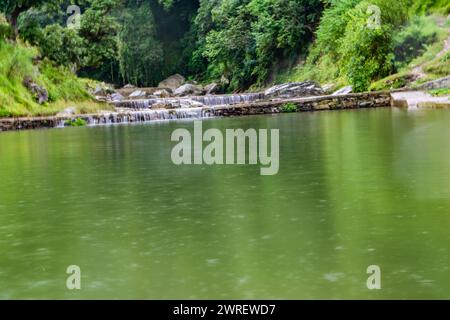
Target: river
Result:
[[355, 188]]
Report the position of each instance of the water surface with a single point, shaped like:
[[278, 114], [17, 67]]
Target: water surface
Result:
[[355, 188]]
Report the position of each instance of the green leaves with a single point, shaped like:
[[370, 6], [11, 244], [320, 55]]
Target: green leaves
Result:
[[246, 39], [358, 36], [140, 54]]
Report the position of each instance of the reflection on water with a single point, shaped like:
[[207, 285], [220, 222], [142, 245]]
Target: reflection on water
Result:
[[355, 188]]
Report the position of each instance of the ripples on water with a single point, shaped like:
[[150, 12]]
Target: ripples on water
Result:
[[355, 188]]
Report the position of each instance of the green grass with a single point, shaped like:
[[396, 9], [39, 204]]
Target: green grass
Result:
[[439, 67], [440, 92], [18, 61], [394, 81]]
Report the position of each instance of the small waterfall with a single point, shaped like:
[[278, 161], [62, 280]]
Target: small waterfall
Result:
[[189, 102], [143, 116], [228, 99]]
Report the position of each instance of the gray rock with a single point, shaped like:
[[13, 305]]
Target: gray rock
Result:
[[98, 91], [102, 90], [436, 84], [172, 82], [116, 97], [129, 86], [39, 93], [137, 94], [101, 98], [344, 90], [188, 89], [211, 88], [294, 90], [329, 88], [163, 93]]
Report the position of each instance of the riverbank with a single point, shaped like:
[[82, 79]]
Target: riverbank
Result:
[[330, 102]]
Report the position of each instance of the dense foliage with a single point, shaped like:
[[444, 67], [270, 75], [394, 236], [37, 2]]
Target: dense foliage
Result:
[[243, 40], [237, 43]]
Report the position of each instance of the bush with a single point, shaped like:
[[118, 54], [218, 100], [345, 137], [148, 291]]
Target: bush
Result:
[[348, 49], [289, 108], [62, 45], [366, 52], [78, 122]]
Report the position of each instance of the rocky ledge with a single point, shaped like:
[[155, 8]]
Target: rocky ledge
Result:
[[349, 101]]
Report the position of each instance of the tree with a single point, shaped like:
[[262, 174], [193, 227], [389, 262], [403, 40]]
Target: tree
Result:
[[14, 8], [62, 45], [245, 40], [140, 53]]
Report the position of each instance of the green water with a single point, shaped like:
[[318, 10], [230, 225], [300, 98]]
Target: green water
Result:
[[355, 188]]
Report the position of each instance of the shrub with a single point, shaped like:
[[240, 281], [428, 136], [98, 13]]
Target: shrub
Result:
[[440, 92], [62, 45], [289, 108], [78, 122]]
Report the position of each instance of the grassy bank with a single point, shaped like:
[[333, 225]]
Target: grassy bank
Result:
[[18, 62]]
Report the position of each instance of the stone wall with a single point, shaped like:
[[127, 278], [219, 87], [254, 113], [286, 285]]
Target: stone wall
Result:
[[349, 101], [8, 124]]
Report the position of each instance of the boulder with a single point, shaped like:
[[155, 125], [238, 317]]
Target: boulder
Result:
[[188, 89], [344, 90], [129, 86], [38, 92], [137, 94], [116, 97], [98, 91], [172, 82], [101, 98], [102, 90], [163, 93], [294, 90], [329, 88], [211, 88]]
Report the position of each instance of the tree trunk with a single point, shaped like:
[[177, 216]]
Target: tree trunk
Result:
[[12, 19]]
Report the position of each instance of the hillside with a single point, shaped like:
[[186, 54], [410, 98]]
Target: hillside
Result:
[[409, 48], [34, 86]]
